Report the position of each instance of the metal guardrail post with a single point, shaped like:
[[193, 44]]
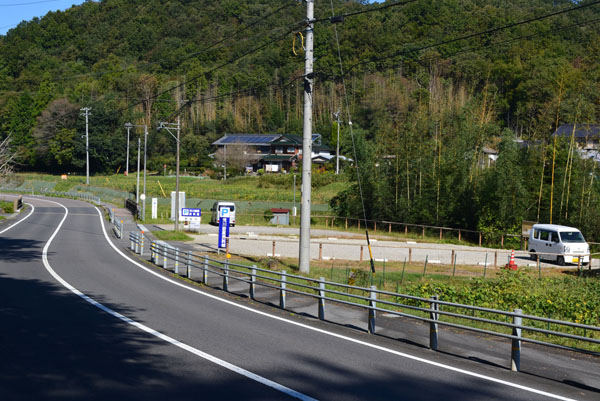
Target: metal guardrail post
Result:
[[188, 262], [515, 356], [165, 256], [282, 290], [433, 326], [131, 241], [372, 313], [322, 298], [176, 260], [142, 244], [252, 288], [205, 270], [226, 276], [153, 252]]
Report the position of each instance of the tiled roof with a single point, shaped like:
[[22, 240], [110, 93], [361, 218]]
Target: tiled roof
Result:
[[581, 130]]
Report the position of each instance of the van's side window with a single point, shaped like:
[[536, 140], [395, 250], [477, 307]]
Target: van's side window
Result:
[[554, 237], [544, 235], [536, 234]]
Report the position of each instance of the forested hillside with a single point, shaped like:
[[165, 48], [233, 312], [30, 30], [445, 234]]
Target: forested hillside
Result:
[[429, 85]]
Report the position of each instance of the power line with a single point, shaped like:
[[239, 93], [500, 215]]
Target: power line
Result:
[[341, 17], [28, 4], [188, 57], [182, 84], [472, 35]]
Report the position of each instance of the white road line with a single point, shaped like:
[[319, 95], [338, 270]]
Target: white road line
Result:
[[20, 221], [340, 336], [164, 337]]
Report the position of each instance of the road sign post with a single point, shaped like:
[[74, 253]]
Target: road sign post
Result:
[[223, 228]]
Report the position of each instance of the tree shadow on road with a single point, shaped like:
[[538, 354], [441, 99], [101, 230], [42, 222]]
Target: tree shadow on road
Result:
[[54, 345]]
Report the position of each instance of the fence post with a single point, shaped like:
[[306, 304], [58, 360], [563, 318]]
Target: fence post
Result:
[[320, 251], [375, 226], [142, 244], [346, 224], [188, 262], [515, 357], [405, 230], [480, 239], [205, 270], [459, 235], [361, 253], [423, 232], [495, 259], [282, 290], [440, 233], [252, 282], [502, 241], [165, 251], [409, 256], [390, 228], [273, 249], [226, 276], [433, 326], [372, 314], [322, 298]]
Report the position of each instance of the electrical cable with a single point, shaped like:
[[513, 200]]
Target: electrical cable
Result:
[[293, 28], [473, 35], [362, 199], [339, 18], [188, 57]]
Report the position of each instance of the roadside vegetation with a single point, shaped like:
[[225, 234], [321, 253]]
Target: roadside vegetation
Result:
[[171, 236]]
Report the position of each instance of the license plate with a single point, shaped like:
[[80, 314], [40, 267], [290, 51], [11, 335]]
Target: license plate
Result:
[[575, 260]]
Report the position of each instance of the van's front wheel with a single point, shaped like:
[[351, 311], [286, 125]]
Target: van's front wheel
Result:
[[560, 260]]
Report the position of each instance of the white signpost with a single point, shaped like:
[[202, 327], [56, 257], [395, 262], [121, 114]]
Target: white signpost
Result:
[[154, 208]]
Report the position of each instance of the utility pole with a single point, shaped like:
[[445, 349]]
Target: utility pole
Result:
[[128, 126], [304, 259], [144, 197], [337, 149], [224, 162], [137, 187], [86, 113], [177, 127]]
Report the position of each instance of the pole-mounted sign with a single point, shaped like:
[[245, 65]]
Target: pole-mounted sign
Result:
[[223, 227]]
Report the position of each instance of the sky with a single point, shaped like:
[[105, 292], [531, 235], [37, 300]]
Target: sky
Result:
[[12, 12]]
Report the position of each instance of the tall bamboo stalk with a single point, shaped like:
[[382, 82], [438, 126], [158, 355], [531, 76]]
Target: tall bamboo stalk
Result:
[[541, 180]]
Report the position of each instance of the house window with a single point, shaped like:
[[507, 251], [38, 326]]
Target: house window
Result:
[[291, 149], [278, 150]]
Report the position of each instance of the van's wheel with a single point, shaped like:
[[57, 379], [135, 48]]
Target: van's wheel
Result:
[[560, 260], [532, 254]]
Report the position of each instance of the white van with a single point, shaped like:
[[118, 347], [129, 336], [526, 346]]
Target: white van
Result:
[[216, 212], [559, 243]]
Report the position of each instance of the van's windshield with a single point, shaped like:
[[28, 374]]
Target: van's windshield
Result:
[[571, 236]]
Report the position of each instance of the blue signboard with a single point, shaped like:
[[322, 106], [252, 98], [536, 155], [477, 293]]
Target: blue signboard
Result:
[[190, 213], [223, 231]]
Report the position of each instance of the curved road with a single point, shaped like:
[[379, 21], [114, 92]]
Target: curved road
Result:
[[80, 320]]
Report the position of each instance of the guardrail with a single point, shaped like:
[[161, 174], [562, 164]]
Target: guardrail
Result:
[[58, 194], [434, 311]]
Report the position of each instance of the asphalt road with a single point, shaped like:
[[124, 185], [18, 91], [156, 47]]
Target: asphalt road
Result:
[[81, 321]]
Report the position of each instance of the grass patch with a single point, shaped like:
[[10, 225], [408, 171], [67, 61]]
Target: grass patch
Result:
[[7, 207], [171, 236]]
